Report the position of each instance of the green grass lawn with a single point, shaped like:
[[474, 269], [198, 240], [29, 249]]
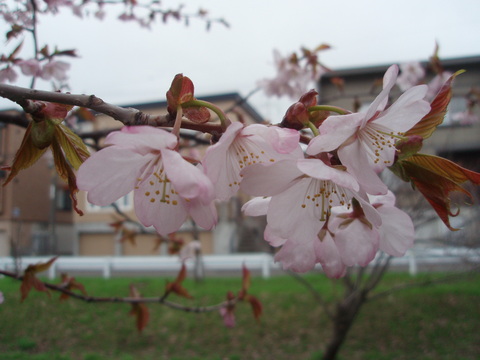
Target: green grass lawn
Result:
[[437, 322]]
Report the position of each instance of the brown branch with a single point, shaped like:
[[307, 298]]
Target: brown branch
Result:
[[129, 300], [127, 116], [314, 292], [377, 272]]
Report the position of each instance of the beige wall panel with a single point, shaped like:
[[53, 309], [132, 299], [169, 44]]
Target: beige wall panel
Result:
[[96, 245], [144, 245]]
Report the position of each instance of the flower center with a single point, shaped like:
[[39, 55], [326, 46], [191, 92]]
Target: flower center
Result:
[[158, 188], [381, 143], [322, 195]]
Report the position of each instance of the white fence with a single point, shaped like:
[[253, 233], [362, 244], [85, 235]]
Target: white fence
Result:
[[110, 265], [263, 263]]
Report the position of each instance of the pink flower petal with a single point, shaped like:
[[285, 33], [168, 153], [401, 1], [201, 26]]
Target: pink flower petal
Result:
[[397, 232], [267, 180], [110, 174], [354, 158], [188, 180]]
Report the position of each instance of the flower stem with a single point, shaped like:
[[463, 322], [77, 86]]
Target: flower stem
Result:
[[331, 108], [178, 122], [312, 127], [224, 120]]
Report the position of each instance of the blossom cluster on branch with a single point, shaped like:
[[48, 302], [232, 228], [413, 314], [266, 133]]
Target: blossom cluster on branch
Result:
[[324, 200]]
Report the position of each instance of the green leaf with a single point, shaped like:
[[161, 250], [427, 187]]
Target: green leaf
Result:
[[26, 155], [66, 173], [75, 149]]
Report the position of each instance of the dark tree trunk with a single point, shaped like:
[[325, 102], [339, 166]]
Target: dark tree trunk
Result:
[[343, 319]]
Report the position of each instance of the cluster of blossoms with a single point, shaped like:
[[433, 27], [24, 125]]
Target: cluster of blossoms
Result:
[[295, 73], [325, 204], [53, 69]]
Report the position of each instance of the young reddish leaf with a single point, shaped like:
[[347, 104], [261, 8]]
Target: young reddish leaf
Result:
[[322, 47], [175, 244], [436, 178], [128, 235], [25, 157], [439, 105], [30, 280], [85, 114], [180, 92], [176, 286], [69, 283], [245, 279], [197, 114], [256, 306], [74, 148], [159, 240], [139, 310]]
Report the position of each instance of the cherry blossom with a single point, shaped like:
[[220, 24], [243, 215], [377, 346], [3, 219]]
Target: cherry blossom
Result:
[[8, 74], [302, 193], [367, 140], [241, 146], [291, 80], [397, 232], [166, 187], [55, 69], [30, 67], [357, 240], [411, 73]]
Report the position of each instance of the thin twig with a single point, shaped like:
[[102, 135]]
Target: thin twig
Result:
[[314, 292], [377, 272], [130, 300]]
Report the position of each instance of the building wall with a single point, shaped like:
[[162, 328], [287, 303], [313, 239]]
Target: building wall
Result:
[[28, 212]]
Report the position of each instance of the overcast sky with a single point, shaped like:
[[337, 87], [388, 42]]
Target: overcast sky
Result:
[[125, 64]]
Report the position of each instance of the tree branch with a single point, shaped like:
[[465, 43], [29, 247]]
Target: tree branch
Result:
[[127, 116], [129, 300], [314, 292]]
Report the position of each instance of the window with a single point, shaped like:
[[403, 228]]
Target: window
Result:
[[125, 203], [63, 200]]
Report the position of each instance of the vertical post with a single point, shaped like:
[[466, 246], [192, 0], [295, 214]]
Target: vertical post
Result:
[[412, 263]]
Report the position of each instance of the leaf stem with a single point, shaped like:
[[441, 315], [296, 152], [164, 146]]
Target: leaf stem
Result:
[[331, 108]]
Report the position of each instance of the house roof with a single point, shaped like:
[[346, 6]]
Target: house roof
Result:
[[235, 97], [374, 70]]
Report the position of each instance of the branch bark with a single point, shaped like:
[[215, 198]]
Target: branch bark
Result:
[[130, 300], [127, 116]]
